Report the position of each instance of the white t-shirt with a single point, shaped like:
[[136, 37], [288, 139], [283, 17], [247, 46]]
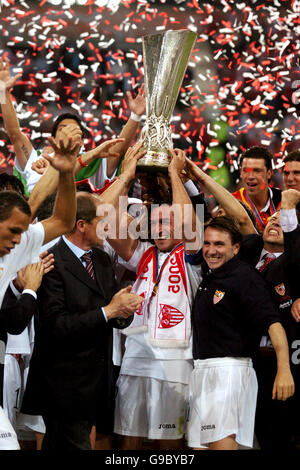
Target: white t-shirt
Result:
[[26, 252], [32, 177], [143, 359]]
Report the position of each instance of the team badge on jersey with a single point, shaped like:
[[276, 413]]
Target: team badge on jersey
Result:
[[169, 316], [280, 289], [218, 296]]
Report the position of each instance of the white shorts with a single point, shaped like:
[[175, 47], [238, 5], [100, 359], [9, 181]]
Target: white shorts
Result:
[[151, 408], [8, 437], [222, 400], [12, 388], [27, 423]]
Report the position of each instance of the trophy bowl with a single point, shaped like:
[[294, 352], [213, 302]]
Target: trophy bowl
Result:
[[166, 57]]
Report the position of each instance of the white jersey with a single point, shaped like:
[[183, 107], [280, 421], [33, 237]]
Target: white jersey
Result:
[[143, 359], [32, 177], [26, 252]]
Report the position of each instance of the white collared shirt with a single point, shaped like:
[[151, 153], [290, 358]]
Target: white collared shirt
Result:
[[79, 252]]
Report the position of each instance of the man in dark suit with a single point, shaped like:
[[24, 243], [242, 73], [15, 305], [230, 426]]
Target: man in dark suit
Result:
[[71, 367]]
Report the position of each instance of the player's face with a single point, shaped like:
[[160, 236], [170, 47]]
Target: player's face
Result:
[[218, 248], [11, 230], [273, 233], [255, 175], [291, 175], [162, 228]]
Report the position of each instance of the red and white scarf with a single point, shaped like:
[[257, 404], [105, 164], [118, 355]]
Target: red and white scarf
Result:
[[168, 318]]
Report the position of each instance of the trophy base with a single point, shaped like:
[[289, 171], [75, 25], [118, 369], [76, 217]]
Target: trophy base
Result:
[[154, 162]]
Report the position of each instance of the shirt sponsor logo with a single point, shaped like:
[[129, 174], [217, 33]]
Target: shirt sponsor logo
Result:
[[280, 289], [218, 296], [169, 316]]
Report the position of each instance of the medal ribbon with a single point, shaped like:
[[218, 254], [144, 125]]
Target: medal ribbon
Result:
[[156, 274], [254, 209]]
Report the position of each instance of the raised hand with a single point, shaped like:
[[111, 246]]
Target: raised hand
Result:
[[177, 163], [137, 105], [106, 149], [132, 155], [40, 165], [5, 77], [289, 198], [66, 149]]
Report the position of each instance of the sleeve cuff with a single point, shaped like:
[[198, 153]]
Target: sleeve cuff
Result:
[[31, 292], [194, 258], [191, 188], [15, 291], [288, 219], [135, 117], [104, 314]]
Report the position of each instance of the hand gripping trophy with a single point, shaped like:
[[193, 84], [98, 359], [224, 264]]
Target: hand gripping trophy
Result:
[[166, 56]]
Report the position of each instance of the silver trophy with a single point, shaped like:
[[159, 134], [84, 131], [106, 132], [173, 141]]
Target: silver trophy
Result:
[[166, 56]]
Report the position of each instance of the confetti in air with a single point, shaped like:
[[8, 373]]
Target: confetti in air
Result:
[[242, 85]]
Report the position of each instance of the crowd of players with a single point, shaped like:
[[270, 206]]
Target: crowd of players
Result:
[[166, 340]]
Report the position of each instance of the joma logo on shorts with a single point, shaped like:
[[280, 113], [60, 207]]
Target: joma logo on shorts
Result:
[[167, 426], [5, 434], [208, 426]]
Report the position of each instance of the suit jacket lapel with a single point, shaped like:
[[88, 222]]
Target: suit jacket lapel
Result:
[[75, 267]]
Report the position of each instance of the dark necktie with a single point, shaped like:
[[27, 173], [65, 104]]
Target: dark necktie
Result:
[[89, 264], [267, 258]]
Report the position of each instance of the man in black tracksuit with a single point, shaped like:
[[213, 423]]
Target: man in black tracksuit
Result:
[[232, 310]]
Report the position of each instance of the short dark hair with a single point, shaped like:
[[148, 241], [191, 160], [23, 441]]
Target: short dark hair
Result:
[[10, 200], [86, 207], [63, 116], [226, 224], [45, 210], [11, 183], [293, 156], [260, 153]]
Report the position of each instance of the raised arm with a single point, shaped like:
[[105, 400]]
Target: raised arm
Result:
[[183, 208], [137, 106], [111, 198], [63, 161], [229, 203], [21, 143], [105, 150]]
